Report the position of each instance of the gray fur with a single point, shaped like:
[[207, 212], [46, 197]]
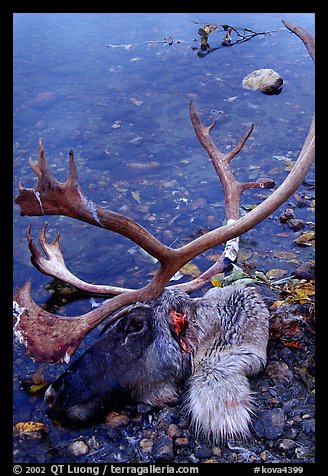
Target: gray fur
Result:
[[231, 326]]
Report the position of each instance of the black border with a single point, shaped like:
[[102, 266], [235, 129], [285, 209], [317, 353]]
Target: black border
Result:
[[6, 31]]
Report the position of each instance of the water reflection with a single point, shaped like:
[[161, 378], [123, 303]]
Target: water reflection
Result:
[[125, 112]]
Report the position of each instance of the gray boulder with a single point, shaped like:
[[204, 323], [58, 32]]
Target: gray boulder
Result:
[[265, 80]]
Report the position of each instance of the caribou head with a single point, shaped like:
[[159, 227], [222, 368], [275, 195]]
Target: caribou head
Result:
[[139, 359]]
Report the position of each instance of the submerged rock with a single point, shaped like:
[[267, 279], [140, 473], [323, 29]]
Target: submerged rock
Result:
[[266, 80]]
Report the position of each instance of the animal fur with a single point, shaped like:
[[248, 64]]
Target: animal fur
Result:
[[230, 333]]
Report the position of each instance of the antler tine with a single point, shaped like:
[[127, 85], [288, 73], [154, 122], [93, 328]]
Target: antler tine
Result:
[[73, 175], [45, 245], [35, 253], [53, 264], [240, 145], [40, 168], [232, 188], [308, 40]]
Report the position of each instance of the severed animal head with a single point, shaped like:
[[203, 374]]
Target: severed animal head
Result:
[[139, 359], [202, 349]]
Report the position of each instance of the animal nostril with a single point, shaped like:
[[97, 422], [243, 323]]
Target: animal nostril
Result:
[[50, 396]]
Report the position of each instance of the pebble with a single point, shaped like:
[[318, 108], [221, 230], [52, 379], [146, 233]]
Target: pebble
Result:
[[216, 451], [181, 442], [286, 215], [295, 224], [286, 444], [162, 450], [174, 431], [291, 433], [279, 372], [305, 271], [203, 451], [304, 453], [265, 80], [212, 220], [78, 448], [308, 426], [117, 420], [198, 203], [146, 445], [270, 424], [263, 456]]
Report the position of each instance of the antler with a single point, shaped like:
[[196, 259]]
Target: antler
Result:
[[51, 197], [53, 338], [53, 264]]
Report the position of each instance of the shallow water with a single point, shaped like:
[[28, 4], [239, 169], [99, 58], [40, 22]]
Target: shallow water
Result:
[[124, 111]]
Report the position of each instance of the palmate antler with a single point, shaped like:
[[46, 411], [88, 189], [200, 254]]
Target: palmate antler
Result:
[[51, 338]]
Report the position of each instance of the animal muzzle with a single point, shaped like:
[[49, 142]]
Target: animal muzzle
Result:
[[75, 396]]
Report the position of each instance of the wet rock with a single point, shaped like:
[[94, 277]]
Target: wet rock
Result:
[[263, 456], [279, 372], [117, 420], [286, 215], [181, 442], [290, 405], [304, 454], [146, 445], [216, 451], [163, 449], [203, 451], [308, 426], [212, 220], [233, 457], [78, 448], [305, 271], [174, 431], [265, 80], [286, 444], [291, 433], [270, 424], [295, 224], [198, 203]]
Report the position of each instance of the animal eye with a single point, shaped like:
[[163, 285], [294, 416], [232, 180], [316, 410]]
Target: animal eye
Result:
[[135, 325]]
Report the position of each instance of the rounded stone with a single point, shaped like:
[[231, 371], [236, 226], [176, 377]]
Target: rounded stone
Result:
[[265, 80], [279, 372], [270, 424], [162, 450], [78, 448], [117, 420]]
